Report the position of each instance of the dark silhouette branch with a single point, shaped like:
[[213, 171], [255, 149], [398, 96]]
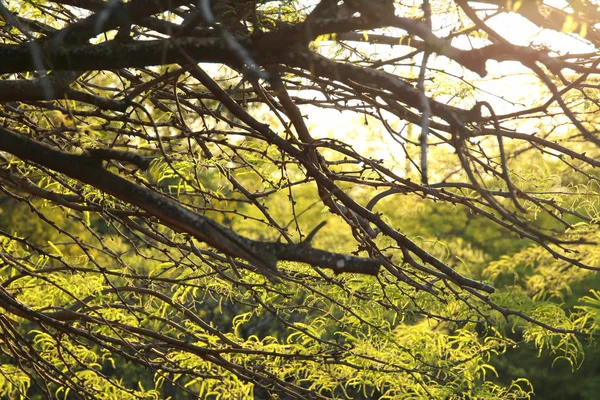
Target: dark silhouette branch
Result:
[[264, 255]]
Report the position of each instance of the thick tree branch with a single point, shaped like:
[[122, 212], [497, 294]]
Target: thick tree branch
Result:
[[55, 86], [115, 55], [264, 255], [326, 183], [49, 87]]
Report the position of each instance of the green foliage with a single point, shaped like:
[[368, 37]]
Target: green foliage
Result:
[[353, 323]]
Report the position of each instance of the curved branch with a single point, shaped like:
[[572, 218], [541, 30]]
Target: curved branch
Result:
[[264, 255]]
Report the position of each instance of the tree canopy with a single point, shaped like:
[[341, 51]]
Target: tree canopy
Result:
[[293, 199]]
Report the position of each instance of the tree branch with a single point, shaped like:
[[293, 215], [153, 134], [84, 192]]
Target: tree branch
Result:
[[264, 255]]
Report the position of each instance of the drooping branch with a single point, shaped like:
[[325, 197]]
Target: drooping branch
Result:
[[264, 255], [322, 180]]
